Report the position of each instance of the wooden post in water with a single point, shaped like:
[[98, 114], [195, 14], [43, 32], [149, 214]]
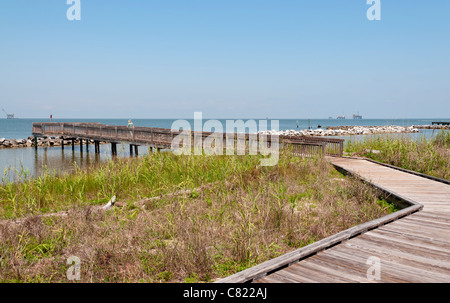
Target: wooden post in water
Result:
[[113, 148], [73, 144], [136, 152], [87, 145], [97, 147], [81, 145], [62, 143], [35, 143], [131, 150]]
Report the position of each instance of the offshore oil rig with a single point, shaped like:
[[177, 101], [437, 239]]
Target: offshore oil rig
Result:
[[8, 116], [357, 116]]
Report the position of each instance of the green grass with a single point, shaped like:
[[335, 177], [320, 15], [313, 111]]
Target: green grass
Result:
[[431, 157], [128, 179]]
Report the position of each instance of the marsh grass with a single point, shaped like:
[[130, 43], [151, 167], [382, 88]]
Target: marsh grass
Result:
[[252, 215], [128, 179], [431, 157]]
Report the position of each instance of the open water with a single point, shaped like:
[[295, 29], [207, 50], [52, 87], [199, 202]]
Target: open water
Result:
[[56, 159]]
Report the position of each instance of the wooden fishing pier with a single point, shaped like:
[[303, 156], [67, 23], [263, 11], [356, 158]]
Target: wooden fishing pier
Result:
[[162, 138]]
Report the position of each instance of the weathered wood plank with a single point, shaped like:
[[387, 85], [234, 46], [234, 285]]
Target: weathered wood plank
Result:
[[410, 240], [401, 255], [324, 271], [421, 229], [357, 265], [389, 270], [411, 270], [439, 217], [429, 222]]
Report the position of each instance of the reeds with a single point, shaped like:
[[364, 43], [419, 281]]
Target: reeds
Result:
[[428, 156], [128, 179]]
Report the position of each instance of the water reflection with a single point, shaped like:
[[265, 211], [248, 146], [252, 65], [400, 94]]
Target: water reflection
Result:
[[19, 163]]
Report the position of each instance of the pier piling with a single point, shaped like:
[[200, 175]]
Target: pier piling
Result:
[[114, 148], [97, 147]]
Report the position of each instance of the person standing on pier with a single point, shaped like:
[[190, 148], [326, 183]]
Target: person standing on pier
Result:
[[130, 127]]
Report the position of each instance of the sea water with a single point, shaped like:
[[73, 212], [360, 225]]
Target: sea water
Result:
[[31, 162]]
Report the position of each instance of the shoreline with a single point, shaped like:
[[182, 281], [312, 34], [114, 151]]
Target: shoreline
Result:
[[41, 142]]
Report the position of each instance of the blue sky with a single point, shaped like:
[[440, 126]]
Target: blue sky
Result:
[[225, 58]]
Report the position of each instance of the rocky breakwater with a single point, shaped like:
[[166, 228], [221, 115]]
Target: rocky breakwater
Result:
[[29, 142], [345, 131], [433, 127]]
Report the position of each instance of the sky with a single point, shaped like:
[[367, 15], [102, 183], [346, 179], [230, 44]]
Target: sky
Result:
[[293, 59]]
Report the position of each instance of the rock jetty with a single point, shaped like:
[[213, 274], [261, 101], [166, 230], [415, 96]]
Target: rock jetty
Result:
[[433, 126], [29, 142], [345, 131]]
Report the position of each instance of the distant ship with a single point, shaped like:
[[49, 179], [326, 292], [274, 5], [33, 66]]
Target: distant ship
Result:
[[341, 117], [357, 116]]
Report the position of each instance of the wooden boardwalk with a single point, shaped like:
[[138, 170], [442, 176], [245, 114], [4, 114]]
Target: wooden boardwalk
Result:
[[414, 247]]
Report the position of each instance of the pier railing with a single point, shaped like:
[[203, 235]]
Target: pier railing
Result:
[[331, 146], [163, 138]]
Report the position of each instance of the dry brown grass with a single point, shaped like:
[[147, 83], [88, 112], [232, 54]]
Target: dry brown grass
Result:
[[254, 216]]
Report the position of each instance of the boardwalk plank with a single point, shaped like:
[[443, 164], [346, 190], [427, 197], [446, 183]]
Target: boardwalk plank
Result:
[[416, 258], [360, 265], [433, 216], [429, 222], [410, 240], [401, 267], [415, 234], [421, 229], [390, 265], [324, 271]]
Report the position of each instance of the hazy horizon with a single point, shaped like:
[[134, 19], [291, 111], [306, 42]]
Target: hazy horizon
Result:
[[225, 118]]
